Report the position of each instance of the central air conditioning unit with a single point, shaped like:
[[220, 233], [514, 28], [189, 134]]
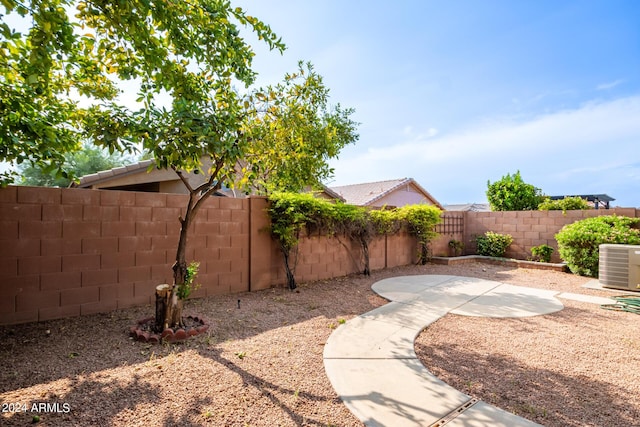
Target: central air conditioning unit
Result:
[[620, 267]]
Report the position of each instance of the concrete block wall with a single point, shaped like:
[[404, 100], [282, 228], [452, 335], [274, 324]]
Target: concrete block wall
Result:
[[68, 252], [440, 244], [321, 258], [378, 253], [529, 228], [401, 249]]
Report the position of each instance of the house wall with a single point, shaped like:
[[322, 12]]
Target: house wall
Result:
[[167, 179], [406, 195], [175, 187]]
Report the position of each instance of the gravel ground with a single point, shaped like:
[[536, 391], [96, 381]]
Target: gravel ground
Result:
[[261, 364], [576, 367]]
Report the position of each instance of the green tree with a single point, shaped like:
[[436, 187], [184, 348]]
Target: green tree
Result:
[[511, 193], [294, 133], [187, 59], [90, 159], [189, 53]]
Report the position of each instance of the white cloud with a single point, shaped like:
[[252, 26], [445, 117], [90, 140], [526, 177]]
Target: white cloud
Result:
[[609, 85], [565, 151]]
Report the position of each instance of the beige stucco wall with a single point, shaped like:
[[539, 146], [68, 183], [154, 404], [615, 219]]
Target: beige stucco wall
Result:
[[406, 195]]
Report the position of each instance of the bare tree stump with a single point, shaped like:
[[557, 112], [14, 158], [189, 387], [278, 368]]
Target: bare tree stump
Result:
[[162, 301]]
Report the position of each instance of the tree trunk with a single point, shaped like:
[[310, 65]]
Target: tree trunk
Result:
[[169, 307], [365, 254], [291, 280], [423, 253], [174, 314]]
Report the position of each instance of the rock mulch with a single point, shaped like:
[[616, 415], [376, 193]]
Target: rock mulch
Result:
[[261, 364]]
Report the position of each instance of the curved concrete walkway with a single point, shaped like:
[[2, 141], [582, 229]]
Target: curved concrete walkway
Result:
[[372, 365]]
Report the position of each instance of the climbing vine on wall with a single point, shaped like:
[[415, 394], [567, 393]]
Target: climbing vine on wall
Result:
[[421, 220], [291, 213]]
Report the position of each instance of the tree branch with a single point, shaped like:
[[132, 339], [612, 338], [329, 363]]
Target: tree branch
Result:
[[183, 179]]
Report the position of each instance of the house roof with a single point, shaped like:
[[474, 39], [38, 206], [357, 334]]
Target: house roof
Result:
[[367, 193], [122, 171], [332, 193], [99, 177], [472, 207]]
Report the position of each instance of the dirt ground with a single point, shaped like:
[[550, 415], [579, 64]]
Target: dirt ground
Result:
[[261, 364]]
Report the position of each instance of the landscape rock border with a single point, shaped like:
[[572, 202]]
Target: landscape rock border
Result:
[[142, 332], [465, 259]]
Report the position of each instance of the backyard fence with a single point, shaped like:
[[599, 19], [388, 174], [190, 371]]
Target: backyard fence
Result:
[[69, 252]]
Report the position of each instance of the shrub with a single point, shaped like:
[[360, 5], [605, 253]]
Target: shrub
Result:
[[385, 221], [542, 253], [292, 212], [354, 222], [566, 204], [578, 243], [493, 244], [456, 247], [185, 289], [421, 220]]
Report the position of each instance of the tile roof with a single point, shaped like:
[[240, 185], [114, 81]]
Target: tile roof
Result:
[[473, 207], [367, 193], [98, 177]]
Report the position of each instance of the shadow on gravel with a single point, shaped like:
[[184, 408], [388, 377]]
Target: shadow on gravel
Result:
[[577, 398], [93, 403], [88, 354], [46, 351]]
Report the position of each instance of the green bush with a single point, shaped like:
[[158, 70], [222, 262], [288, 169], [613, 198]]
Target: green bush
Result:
[[291, 212], [385, 221], [185, 289], [493, 244], [578, 243], [542, 253], [566, 204], [421, 220], [456, 247]]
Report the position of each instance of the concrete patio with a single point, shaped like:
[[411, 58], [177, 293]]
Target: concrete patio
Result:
[[371, 363]]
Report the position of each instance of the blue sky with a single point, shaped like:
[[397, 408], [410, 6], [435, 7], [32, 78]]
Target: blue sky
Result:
[[457, 93]]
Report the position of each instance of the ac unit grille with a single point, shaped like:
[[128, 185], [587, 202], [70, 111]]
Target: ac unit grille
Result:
[[615, 264]]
